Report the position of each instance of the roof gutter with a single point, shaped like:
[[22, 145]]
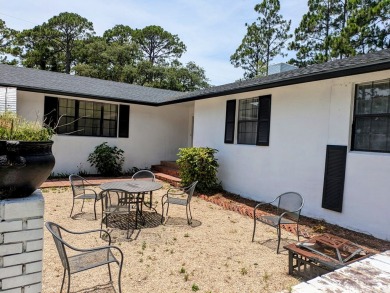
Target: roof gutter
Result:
[[372, 67]]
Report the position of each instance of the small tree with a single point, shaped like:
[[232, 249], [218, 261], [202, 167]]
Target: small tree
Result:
[[199, 164], [107, 160]]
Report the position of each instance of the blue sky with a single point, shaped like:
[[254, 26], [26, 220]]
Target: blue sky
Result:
[[211, 29]]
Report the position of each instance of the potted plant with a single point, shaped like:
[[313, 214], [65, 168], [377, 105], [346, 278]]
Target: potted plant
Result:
[[26, 159]]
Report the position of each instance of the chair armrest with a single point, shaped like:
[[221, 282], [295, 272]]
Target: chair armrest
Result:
[[90, 190], [258, 205], [89, 183], [287, 212], [175, 191], [89, 231], [263, 203], [96, 249]]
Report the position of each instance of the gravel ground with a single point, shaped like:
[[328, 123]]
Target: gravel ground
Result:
[[215, 254]]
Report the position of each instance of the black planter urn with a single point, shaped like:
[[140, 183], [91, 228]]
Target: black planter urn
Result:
[[24, 166]]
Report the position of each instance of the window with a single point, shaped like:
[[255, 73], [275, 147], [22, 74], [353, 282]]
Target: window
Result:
[[254, 120], [371, 125], [86, 118]]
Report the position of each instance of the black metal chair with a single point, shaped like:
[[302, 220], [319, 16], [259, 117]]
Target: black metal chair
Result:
[[179, 196], [80, 191], [120, 202], [145, 175], [86, 258], [289, 206]]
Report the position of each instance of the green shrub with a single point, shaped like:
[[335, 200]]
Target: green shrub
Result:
[[107, 160], [199, 164], [13, 127]]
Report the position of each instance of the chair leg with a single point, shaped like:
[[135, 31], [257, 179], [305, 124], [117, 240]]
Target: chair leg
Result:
[[107, 220], [141, 215], [189, 220], [151, 199], [136, 215], [71, 211], [254, 229], [128, 221], [140, 198], [298, 231], [94, 209], [162, 212], [166, 213], [109, 272], [279, 236], [68, 281], [119, 277], [101, 226], [82, 205], [63, 279]]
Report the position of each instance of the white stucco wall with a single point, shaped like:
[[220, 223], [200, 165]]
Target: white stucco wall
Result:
[[305, 118], [155, 134]]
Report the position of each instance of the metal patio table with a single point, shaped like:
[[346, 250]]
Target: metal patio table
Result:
[[134, 186]]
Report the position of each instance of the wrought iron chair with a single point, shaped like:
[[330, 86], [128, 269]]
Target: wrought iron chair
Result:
[[145, 175], [289, 206], [120, 202], [80, 191], [86, 258], [179, 196]]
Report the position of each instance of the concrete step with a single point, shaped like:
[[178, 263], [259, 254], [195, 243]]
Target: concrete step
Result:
[[170, 164], [174, 181], [166, 170]]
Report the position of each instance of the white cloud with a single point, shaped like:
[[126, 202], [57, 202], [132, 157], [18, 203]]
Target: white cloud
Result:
[[211, 30]]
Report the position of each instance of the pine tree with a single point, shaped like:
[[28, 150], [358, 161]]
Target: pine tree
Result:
[[324, 20], [367, 28], [263, 41]]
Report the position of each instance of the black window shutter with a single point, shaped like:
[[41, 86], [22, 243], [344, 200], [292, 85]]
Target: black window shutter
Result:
[[336, 158], [230, 121], [264, 120], [124, 115], [50, 111]]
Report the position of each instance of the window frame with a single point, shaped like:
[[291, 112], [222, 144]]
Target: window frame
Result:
[[356, 116], [263, 116], [52, 112]]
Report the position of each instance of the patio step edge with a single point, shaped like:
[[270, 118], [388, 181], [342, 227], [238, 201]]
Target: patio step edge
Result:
[[166, 170], [174, 181]]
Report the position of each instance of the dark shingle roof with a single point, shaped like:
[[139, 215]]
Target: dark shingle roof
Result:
[[79, 86], [371, 62], [64, 84]]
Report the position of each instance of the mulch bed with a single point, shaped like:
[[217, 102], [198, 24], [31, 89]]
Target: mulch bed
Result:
[[308, 227]]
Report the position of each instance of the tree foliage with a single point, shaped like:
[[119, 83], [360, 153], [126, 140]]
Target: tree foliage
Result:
[[318, 26], [53, 45], [341, 28], [65, 30], [367, 28], [263, 41], [148, 56], [7, 39], [157, 45]]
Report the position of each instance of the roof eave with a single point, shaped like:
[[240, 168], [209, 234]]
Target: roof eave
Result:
[[380, 66], [78, 95]]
